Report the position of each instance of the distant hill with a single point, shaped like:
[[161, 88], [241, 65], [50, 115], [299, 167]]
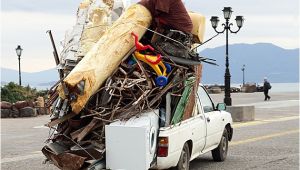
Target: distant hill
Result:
[[41, 80], [261, 60]]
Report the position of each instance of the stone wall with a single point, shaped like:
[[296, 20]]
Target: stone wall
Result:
[[23, 108]]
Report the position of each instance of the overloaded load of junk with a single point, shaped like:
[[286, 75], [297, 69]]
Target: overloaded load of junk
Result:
[[109, 72]]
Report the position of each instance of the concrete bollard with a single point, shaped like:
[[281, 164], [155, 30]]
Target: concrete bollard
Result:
[[241, 113]]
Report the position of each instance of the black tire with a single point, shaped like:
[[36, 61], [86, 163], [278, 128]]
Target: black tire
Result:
[[219, 154], [184, 160]]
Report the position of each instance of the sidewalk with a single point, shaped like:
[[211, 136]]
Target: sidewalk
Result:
[[280, 105]]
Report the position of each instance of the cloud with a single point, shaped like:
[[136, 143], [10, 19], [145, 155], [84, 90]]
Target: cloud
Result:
[[44, 6], [28, 29], [281, 30], [25, 23], [245, 7]]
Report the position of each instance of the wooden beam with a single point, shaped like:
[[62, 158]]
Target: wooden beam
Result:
[[60, 120]]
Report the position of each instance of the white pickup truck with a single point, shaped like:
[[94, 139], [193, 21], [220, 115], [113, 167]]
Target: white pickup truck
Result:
[[140, 143]]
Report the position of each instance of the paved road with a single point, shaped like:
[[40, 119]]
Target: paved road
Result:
[[270, 142]]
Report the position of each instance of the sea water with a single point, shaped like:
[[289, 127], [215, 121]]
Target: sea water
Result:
[[278, 87], [284, 87]]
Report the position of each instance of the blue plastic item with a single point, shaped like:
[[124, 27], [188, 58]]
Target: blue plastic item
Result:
[[169, 68], [161, 81]]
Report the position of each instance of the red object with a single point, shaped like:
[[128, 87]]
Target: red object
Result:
[[158, 59], [139, 46], [162, 152], [163, 147]]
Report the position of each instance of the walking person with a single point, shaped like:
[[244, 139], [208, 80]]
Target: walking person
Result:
[[267, 87]]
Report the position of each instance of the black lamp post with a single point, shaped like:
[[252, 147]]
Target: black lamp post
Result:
[[19, 53], [227, 27], [243, 70]]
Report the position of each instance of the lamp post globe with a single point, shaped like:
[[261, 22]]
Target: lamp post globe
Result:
[[227, 11], [19, 53], [214, 21], [239, 21]]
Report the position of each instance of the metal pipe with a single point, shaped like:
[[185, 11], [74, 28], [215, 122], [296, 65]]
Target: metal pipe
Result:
[[20, 83], [227, 98], [55, 54]]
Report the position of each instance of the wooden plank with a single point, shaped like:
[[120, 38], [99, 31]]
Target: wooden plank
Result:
[[60, 120], [87, 129], [75, 134], [188, 112], [184, 99]]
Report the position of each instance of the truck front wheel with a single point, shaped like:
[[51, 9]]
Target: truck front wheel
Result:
[[219, 154], [184, 160]]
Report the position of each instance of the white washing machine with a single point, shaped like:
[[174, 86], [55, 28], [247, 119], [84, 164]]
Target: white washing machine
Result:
[[131, 145]]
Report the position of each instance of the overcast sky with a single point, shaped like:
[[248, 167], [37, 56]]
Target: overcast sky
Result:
[[25, 22]]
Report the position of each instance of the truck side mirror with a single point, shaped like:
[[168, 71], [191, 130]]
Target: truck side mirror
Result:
[[221, 106]]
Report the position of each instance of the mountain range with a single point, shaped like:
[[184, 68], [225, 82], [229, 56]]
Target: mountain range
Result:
[[261, 60], [41, 80]]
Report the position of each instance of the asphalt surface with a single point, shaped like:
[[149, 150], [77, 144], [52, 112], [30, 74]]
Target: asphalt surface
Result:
[[270, 142]]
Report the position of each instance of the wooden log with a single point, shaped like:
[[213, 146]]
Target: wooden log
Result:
[[105, 56]]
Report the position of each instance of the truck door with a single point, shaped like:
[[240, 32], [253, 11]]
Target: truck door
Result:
[[199, 129], [213, 119]]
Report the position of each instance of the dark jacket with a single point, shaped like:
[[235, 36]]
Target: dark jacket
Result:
[[267, 86]]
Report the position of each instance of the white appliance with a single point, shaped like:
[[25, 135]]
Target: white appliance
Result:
[[131, 144]]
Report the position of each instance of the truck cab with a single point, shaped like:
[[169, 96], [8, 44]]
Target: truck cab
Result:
[[209, 129]]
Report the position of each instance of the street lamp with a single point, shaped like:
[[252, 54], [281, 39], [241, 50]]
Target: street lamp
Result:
[[243, 70], [19, 53], [227, 11]]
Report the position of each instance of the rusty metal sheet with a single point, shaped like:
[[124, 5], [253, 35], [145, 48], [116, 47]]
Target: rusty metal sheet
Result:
[[66, 161]]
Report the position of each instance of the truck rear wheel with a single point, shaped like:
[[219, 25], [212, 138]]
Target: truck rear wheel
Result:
[[219, 154], [184, 160]]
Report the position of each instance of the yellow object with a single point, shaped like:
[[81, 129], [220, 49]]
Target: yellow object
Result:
[[85, 4], [98, 24], [198, 30], [105, 56], [155, 67]]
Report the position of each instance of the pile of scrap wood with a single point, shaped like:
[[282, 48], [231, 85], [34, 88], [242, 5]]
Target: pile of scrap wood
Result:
[[118, 78]]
